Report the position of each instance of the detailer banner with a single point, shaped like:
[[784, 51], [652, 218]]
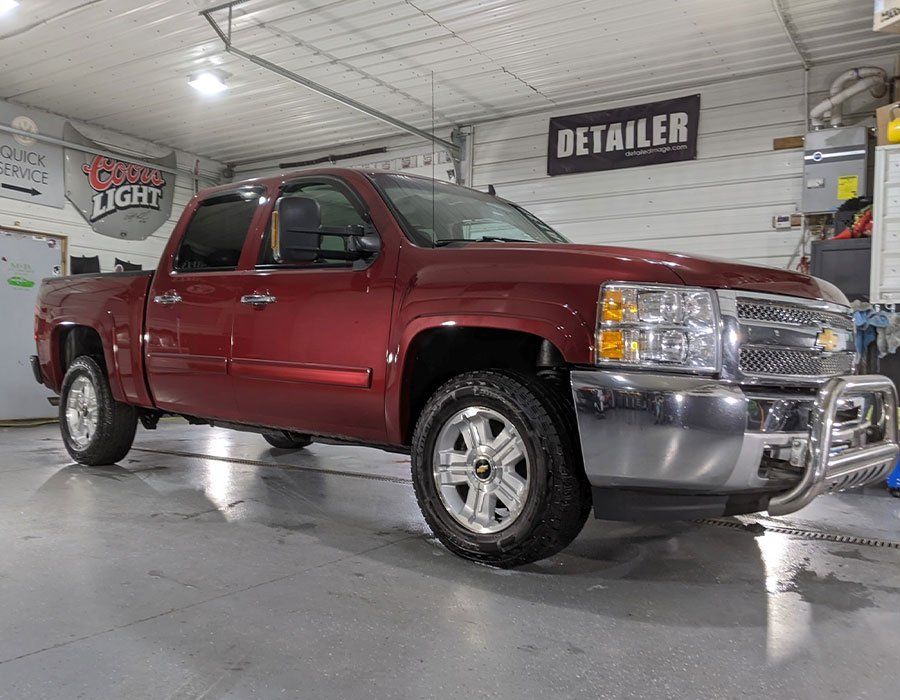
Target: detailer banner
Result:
[[626, 137]]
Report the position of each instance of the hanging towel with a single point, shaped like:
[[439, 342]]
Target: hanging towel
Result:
[[873, 325]]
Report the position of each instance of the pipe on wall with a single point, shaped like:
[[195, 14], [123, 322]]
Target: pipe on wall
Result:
[[108, 154], [865, 77], [852, 75]]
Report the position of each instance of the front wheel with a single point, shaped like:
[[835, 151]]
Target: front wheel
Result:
[[496, 469], [96, 429]]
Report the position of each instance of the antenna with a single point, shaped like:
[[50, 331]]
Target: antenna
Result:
[[433, 158]]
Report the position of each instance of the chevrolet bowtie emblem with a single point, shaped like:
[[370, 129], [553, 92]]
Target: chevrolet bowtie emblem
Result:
[[829, 340]]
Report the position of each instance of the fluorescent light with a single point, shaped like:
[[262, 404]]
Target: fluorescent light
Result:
[[208, 82], [7, 5]]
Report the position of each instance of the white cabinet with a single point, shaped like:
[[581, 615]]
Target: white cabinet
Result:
[[885, 278]]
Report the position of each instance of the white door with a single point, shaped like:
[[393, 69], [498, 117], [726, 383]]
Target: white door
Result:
[[25, 259]]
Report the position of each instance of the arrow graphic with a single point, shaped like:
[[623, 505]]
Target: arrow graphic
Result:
[[26, 190]]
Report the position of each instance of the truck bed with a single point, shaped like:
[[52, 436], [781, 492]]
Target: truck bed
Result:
[[112, 305]]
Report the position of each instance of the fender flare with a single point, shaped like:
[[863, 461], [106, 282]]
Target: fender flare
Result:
[[57, 350], [573, 339]]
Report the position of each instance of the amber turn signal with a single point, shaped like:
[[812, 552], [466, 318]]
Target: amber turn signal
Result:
[[612, 345], [275, 238], [613, 306]]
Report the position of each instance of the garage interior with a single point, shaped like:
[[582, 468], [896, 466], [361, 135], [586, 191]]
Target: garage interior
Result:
[[209, 563]]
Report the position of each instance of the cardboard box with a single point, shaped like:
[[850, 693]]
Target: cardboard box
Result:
[[887, 16], [883, 116]]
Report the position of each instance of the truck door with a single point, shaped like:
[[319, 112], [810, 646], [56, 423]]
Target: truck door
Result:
[[191, 308], [310, 338]]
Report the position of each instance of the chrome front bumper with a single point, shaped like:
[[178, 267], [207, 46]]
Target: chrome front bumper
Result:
[[695, 437]]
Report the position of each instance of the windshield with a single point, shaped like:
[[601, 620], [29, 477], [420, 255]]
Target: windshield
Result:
[[459, 214]]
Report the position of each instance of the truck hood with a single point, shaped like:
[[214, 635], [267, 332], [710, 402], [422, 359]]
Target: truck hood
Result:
[[725, 274], [691, 270]]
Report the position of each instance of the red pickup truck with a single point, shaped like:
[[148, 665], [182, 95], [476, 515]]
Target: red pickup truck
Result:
[[530, 378]]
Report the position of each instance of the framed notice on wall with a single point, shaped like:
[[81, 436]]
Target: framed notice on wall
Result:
[[625, 137]]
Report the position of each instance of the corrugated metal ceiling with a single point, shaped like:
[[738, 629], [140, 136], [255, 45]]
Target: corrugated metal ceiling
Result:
[[123, 64]]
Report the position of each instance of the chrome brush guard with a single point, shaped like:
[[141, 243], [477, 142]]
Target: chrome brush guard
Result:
[[825, 468]]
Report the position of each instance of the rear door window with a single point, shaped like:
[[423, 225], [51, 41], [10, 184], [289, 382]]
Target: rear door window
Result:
[[216, 232]]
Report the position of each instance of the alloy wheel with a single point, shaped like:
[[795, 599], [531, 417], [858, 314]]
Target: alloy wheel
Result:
[[481, 469]]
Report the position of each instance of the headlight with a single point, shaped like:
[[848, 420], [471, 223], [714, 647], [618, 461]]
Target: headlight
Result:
[[674, 328]]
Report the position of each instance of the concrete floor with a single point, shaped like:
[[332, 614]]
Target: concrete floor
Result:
[[311, 574]]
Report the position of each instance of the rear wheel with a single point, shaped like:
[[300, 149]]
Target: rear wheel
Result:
[[287, 441], [496, 469], [96, 429]]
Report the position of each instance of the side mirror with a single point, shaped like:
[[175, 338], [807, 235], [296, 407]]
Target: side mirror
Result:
[[362, 242], [299, 236]]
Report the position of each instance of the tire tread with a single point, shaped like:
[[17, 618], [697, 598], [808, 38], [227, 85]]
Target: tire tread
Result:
[[282, 440], [117, 421], [566, 491]]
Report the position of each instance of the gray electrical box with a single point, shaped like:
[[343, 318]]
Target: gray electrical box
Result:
[[837, 166]]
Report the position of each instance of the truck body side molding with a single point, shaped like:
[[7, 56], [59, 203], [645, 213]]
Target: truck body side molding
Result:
[[354, 377]]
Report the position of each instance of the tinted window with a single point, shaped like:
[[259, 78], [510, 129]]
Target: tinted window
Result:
[[216, 233], [338, 212], [434, 213]]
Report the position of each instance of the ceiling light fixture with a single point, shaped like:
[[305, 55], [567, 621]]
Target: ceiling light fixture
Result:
[[208, 82], [7, 5]]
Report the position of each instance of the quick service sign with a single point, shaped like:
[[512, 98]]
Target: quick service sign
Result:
[[626, 137], [30, 170], [118, 198]]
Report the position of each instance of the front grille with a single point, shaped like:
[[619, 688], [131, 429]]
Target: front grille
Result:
[[769, 336], [796, 363], [791, 315]]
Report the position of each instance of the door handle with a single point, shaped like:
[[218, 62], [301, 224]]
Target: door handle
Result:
[[167, 298], [258, 299]]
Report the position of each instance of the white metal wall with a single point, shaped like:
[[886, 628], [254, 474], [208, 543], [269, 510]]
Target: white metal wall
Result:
[[84, 241], [720, 205], [125, 61]]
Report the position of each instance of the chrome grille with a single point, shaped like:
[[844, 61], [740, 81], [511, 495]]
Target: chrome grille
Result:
[[756, 360], [772, 337], [791, 315]]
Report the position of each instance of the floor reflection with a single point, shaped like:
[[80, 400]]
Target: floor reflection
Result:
[[788, 620]]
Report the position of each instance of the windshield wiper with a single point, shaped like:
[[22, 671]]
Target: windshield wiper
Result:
[[483, 239], [505, 240]]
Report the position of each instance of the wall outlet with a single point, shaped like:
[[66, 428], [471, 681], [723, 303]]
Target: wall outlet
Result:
[[781, 222]]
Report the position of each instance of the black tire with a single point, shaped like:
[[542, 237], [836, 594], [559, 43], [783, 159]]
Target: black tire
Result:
[[558, 498], [116, 422], [287, 441], [894, 492]]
